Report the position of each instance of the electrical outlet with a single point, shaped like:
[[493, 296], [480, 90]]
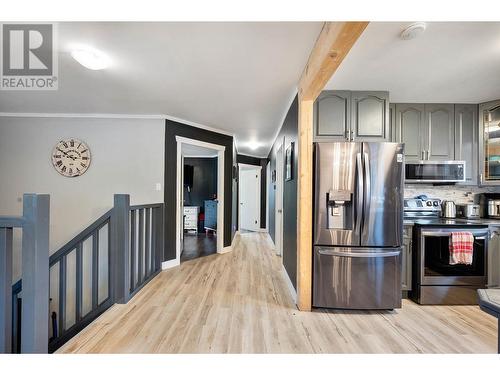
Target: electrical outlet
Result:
[[158, 186]]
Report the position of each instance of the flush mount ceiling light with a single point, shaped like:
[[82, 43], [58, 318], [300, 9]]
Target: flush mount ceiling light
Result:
[[412, 31], [91, 58], [254, 145]]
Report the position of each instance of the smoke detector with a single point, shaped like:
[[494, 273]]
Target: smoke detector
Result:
[[412, 31]]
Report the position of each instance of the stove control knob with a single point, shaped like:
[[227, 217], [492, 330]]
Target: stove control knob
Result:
[[429, 203], [435, 203]]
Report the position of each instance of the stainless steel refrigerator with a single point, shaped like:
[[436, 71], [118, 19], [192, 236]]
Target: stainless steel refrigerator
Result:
[[358, 225]]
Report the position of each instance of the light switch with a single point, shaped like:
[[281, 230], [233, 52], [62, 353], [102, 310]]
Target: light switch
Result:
[[158, 186]]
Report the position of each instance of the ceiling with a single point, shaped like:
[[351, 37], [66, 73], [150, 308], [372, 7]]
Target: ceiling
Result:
[[197, 151], [452, 62], [236, 77]]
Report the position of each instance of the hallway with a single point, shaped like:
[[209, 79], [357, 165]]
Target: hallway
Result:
[[239, 302]]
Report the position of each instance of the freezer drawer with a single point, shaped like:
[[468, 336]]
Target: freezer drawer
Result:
[[357, 278]]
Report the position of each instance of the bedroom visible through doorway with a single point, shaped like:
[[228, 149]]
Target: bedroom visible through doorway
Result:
[[199, 201]]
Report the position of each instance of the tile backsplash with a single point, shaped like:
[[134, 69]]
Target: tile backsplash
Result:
[[458, 194]]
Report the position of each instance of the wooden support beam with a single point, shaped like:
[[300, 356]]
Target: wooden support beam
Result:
[[331, 47]]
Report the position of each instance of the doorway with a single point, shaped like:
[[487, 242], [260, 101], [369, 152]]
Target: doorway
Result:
[[278, 234], [200, 199], [249, 197]]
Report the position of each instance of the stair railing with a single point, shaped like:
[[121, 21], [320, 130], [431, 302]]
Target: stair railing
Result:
[[106, 263]]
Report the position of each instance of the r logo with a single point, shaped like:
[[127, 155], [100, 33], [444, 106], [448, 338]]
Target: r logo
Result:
[[28, 57]]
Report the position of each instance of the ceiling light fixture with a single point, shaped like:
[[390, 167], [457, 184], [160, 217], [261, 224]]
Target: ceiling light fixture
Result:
[[91, 58], [254, 145], [412, 31]]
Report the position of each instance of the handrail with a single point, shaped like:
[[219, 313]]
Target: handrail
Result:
[[70, 246], [11, 221], [151, 205]]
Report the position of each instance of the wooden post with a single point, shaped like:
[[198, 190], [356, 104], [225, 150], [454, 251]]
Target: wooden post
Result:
[[304, 206], [6, 290], [331, 47], [35, 271], [120, 249]]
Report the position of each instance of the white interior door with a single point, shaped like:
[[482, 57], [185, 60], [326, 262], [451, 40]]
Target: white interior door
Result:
[[249, 186], [278, 234]]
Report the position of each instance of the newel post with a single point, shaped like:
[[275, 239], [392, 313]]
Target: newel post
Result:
[[35, 271], [5, 290], [120, 248]]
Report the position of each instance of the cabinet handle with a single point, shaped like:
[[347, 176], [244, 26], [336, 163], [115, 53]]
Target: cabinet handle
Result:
[[429, 135], [423, 154], [460, 127]]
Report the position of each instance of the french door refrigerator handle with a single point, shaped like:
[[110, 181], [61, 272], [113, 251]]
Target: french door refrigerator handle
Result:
[[359, 200], [359, 254], [367, 191]]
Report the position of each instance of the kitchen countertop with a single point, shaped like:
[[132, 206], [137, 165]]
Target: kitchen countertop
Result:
[[457, 221]]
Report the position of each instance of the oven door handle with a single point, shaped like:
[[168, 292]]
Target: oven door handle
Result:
[[447, 234]]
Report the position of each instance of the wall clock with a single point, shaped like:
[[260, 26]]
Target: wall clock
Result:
[[71, 157]]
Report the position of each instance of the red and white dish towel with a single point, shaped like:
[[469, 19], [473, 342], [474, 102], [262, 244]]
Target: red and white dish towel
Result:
[[461, 247]]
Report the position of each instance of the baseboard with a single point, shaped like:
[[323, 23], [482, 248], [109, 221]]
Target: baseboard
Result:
[[225, 250], [170, 264], [289, 284], [230, 248]]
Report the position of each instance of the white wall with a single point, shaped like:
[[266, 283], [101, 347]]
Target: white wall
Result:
[[127, 157]]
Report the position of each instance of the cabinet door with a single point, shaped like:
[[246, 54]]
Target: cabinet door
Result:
[[494, 258], [332, 115], [370, 116], [466, 143], [409, 129], [439, 132], [489, 143]]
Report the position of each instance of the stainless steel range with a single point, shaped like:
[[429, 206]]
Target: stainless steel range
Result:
[[435, 280]]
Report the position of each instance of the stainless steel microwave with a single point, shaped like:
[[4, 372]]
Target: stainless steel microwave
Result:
[[434, 171]]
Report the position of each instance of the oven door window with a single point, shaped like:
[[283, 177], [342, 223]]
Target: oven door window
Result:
[[437, 258]]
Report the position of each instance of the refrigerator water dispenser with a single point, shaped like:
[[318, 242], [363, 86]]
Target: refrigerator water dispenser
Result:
[[338, 212]]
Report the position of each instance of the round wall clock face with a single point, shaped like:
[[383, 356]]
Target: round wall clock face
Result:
[[71, 157]]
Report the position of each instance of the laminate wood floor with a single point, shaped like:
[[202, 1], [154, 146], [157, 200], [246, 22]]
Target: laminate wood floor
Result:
[[198, 245], [239, 302]]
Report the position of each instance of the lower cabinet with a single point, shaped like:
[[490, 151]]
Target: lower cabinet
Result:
[[494, 257], [406, 258]]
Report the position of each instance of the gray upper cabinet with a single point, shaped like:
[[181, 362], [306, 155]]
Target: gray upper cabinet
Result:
[[427, 130], [466, 140], [439, 132], [489, 143], [352, 116], [370, 116], [409, 129], [333, 115]]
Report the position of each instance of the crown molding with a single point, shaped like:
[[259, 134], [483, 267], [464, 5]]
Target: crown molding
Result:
[[115, 116]]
